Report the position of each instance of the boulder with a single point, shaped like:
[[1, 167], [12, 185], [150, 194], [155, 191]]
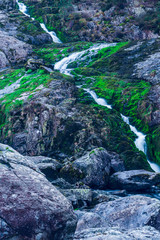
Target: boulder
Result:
[[78, 197], [100, 196], [134, 180], [125, 213], [143, 233], [30, 206], [13, 50], [49, 166], [92, 169]]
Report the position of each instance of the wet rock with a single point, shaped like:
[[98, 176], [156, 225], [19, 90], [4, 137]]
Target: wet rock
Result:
[[93, 169], [30, 207], [100, 196], [143, 233], [125, 213], [135, 180], [78, 197]]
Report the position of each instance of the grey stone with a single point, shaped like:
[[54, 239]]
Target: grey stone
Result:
[[30, 206], [134, 180]]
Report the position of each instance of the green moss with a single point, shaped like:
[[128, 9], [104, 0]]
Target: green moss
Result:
[[28, 84], [130, 98], [153, 140], [117, 136]]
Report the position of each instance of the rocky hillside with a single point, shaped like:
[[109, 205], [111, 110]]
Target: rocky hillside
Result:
[[109, 20], [73, 119]]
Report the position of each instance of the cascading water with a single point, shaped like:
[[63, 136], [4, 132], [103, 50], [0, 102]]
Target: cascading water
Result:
[[63, 64], [52, 34], [140, 143], [62, 67], [23, 9]]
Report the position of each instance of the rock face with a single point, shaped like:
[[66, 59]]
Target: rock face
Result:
[[16, 24], [135, 180], [30, 207], [99, 20], [128, 213], [7, 5], [12, 50]]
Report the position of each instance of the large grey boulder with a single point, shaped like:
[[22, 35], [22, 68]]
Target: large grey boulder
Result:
[[125, 213], [92, 169], [134, 180], [30, 206]]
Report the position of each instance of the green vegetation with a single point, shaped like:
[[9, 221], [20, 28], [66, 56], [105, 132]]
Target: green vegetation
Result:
[[28, 84], [6, 79], [116, 135], [54, 53], [130, 98], [153, 140]]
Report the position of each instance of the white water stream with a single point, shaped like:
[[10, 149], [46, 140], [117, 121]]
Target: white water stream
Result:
[[23, 9], [62, 65]]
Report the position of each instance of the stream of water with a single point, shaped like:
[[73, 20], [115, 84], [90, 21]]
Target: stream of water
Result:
[[62, 65], [23, 9]]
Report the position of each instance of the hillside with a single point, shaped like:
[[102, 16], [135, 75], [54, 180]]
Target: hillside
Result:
[[79, 120]]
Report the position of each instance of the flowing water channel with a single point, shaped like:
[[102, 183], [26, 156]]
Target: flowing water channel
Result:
[[23, 9], [62, 66]]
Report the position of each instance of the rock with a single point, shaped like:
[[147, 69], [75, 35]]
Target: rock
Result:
[[117, 163], [14, 51], [30, 207], [95, 21], [3, 60], [34, 64], [78, 197], [93, 169], [49, 166], [134, 180], [125, 213], [62, 184], [149, 68], [7, 5], [100, 196], [133, 217], [143, 233]]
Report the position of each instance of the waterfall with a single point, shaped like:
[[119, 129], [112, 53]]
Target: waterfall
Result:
[[23, 9], [62, 65]]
